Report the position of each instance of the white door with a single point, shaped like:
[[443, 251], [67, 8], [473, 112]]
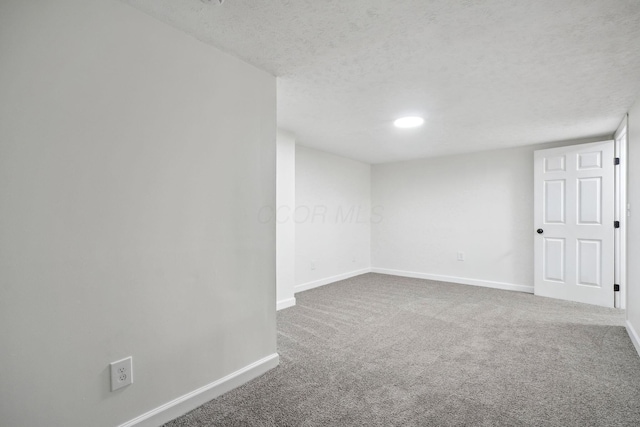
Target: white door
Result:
[[574, 238]]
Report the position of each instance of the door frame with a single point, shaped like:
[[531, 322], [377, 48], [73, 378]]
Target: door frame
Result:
[[621, 214]]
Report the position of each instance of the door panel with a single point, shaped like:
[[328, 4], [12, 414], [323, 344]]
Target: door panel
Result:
[[590, 160], [589, 201], [574, 207], [554, 201], [554, 263], [554, 164], [589, 259]]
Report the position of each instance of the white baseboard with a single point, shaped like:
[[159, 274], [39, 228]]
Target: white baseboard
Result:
[[635, 338], [327, 280], [285, 303], [192, 400], [453, 279]]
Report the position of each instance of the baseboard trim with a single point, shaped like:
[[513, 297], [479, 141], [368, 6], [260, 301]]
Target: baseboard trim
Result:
[[192, 400], [327, 280], [453, 279], [635, 338], [285, 303]]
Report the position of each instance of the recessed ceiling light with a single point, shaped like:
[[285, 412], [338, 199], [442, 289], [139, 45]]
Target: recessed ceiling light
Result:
[[408, 122]]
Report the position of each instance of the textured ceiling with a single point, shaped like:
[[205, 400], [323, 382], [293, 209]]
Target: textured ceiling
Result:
[[484, 74]]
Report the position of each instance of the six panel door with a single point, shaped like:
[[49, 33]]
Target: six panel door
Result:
[[573, 228]]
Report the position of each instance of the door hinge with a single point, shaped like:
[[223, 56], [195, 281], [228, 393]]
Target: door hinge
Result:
[[616, 224], [616, 288], [616, 161]]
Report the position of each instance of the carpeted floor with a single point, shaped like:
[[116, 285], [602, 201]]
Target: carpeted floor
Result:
[[379, 350]]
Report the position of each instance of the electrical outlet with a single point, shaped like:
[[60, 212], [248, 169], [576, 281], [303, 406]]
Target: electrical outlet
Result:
[[313, 265], [121, 373], [460, 256]]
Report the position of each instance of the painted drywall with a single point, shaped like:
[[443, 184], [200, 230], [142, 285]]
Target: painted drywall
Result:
[[479, 204], [285, 225], [333, 203], [134, 161], [633, 226]]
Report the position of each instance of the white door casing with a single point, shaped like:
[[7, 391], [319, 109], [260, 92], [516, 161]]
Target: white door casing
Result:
[[574, 211], [621, 213]]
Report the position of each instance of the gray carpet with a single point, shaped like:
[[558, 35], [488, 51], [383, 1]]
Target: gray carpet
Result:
[[381, 350]]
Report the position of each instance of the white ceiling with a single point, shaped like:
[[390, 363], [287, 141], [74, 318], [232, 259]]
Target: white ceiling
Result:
[[485, 74]]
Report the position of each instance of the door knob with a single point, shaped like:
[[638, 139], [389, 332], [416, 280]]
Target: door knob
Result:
[[540, 231]]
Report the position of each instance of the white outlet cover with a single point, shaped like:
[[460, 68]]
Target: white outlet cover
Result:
[[121, 373]]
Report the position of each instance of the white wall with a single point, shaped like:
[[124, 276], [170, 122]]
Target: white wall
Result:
[[480, 204], [633, 227], [133, 163], [285, 225], [333, 202]]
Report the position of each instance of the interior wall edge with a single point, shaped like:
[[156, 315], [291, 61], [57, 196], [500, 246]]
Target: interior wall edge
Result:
[[285, 303], [328, 280], [183, 404], [635, 338], [454, 279]]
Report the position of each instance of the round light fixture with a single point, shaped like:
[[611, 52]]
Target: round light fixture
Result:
[[408, 122]]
